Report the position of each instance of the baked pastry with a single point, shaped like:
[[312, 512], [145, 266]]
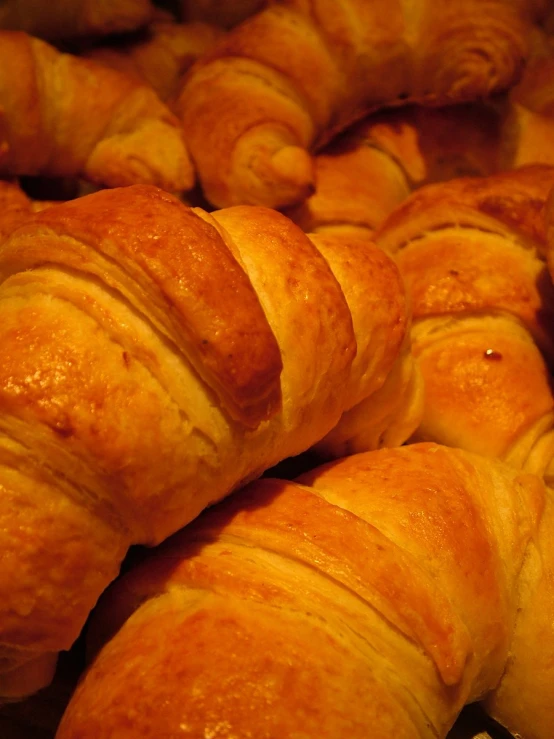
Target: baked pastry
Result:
[[288, 79], [63, 116], [472, 255], [373, 166], [151, 364], [367, 171], [374, 596]]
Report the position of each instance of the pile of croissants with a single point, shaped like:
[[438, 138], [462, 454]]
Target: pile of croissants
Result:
[[277, 369]]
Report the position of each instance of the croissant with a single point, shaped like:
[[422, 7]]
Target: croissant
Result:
[[151, 364], [364, 174], [289, 78], [63, 19], [63, 116], [528, 114], [367, 171], [160, 55], [472, 255], [374, 596]]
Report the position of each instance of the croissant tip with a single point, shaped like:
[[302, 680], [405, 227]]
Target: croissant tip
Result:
[[292, 170]]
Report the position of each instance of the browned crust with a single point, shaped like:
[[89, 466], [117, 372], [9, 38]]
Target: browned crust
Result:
[[405, 561], [178, 269]]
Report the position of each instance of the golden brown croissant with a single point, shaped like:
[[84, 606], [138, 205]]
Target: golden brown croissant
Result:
[[289, 78], [471, 252], [154, 358], [373, 166], [374, 597], [65, 116], [63, 19], [160, 55]]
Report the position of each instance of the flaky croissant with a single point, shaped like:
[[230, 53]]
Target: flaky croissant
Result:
[[285, 81], [65, 116], [472, 255], [156, 357], [373, 597], [373, 166], [367, 171], [68, 19]]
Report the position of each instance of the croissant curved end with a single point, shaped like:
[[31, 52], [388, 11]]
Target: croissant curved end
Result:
[[293, 165], [275, 176], [153, 154]]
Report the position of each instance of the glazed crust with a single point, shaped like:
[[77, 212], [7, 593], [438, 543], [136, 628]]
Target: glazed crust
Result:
[[389, 578], [154, 365], [472, 254], [365, 173]]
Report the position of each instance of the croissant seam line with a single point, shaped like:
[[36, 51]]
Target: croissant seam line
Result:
[[361, 644], [344, 587], [288, 90], [167, 329], [394, 158], [517, 610], [99, 506], [539, 429], [168, 340], [515, 238]]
